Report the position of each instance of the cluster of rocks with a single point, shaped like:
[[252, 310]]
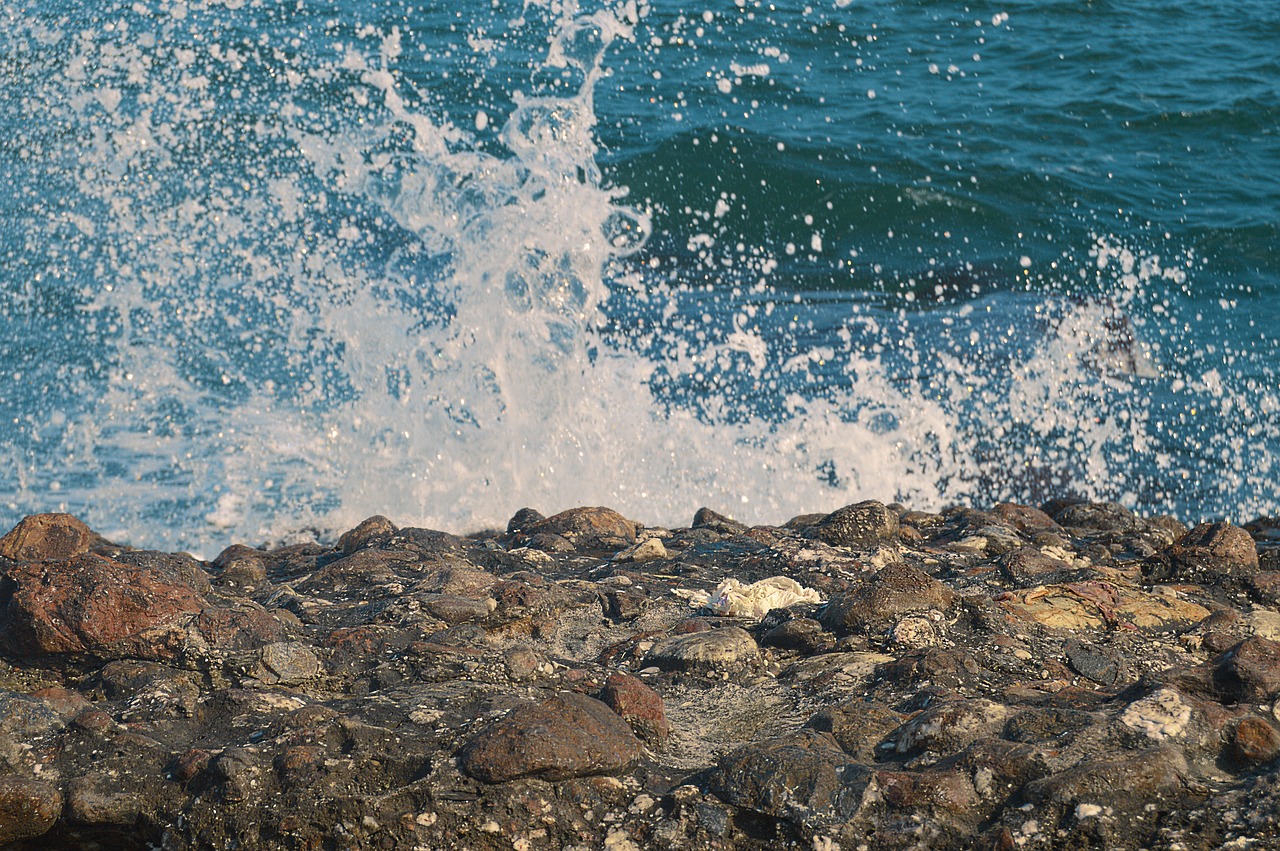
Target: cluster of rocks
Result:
[[1067, 677]]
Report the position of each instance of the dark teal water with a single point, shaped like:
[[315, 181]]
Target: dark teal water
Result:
[[269, 268]]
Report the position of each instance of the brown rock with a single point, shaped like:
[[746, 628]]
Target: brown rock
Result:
[[1024, 518], [1099, 516], [1255, 740], [28, 808], [590, 528], [857, 726], [1248, 672], [879, 601], [95, 605], [1125, 781], [46, 537], [949, 726], [864, 525], [1028, 567], [567, 735], [638, 705], [366, 533], [1209, 554]]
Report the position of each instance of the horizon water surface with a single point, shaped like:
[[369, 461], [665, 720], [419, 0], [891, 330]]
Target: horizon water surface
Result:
[[270, 268]]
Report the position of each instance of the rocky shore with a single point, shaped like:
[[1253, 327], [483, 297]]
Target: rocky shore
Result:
[[1065, 677]]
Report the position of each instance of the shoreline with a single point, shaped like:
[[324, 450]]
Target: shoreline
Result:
[[1054, 677]]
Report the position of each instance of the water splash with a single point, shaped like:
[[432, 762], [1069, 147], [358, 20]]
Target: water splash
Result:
[[264, 282]]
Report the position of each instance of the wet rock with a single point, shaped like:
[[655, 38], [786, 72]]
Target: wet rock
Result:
[[717, 650], [524, 520], [803, 634], [865, 525], [1094, 605], [95, 605], [47, 537], [880, 601], [566, 735], [1249, 672], [1255, 740], [1089, 661], [240, 567], [1028, 567], [638, 705], [1125, 781], [804, 777], [28, 808], [1024, 518]]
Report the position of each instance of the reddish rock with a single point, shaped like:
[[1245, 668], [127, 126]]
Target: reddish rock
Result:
[[28, 808], [95, 605], [1254, 740], [47, 537], [638, 705], [568, 735], [590, 528]]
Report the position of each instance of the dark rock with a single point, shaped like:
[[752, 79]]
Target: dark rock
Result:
[[567, 735], [1209, 554], [881, 600], [1028, 567], [1124, 781], [240, 567], [705, 518], [1089, 661], [1249, 672], [858, 726], [1024, 518], [1099, 516], [949, 726], [865, 525], [28, 808], [803, 634], [638, 705], [804, 777], [523, 520]]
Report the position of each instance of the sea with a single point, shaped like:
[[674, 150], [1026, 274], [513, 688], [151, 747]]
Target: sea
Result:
[[268, 267]]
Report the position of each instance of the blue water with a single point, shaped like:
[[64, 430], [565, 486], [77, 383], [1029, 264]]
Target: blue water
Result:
[[270, 268]]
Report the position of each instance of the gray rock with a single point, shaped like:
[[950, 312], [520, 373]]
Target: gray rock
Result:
[[726, 649], [865, 525]]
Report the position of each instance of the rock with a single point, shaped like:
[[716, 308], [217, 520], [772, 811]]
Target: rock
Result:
[[1028, 567], [1124, 781], [638, 705], [803, 634], [1024, 518], [524, 520], [47, 537], [1209, 554], [28, 808], [286, 663], [881, 600], [858, 726], [240, 567], [651, 549], [713, 651], [366, 533], [705, 518], [949, 726], [1249, 672], [1255, 740], [865, 525], [566, 735], [1094, 605], [589, 528], [1098, 516], [97, 606], [1089, 661], [804, 777]]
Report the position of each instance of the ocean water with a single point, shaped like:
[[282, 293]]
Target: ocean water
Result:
[[268, 268]]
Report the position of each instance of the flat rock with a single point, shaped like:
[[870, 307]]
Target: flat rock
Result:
[[564, 736], [724, 649]]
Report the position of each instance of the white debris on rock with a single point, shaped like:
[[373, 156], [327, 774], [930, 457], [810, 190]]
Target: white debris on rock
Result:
[[732, 598]]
